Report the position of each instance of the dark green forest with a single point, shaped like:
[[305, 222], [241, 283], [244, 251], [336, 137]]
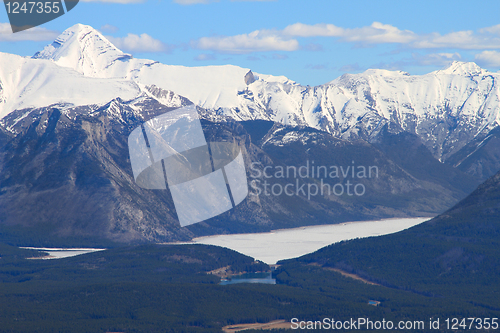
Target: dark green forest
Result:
[[448, 267], [166, 288]]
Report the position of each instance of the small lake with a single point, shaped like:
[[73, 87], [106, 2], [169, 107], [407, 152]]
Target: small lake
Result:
[[291, 243], [265, 278]]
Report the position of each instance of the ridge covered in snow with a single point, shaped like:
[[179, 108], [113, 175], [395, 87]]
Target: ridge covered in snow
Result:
[[445, 108], [27, 83]]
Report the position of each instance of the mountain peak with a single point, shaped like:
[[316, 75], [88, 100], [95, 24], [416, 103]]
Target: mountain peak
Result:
[[82, 48], [462, 68]]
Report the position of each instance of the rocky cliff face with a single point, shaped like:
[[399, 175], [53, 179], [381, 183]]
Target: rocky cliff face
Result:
[[66, 178]]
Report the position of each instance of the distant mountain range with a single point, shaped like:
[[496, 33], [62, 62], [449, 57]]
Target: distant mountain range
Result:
[[446, 109], [66, 114]]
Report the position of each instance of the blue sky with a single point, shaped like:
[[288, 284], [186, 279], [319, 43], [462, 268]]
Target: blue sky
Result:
[[311, 42]]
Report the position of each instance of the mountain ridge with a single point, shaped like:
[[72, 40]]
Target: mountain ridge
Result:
[[446, 108]]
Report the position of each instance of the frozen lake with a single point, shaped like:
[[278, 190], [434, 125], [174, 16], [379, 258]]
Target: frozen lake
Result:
[[280, 244], [290, 243], [57, 253]]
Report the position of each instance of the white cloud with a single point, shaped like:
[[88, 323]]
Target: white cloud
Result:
[[467, 39], [306, 30], [277, 56], [33, 34], [124, 2], [435, 59], [283, 40], [375, 33], [318, 67], [488, 58], [379, 33], [350, 68], [204, 57], [193, 2], [139, 43], [254, 58], [257, 41], [492, 30], [108, 28], [315, 47]]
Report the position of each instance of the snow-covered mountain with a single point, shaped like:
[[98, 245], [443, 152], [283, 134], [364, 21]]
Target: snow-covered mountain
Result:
[[66, 113], [446, 108], [27, 83]]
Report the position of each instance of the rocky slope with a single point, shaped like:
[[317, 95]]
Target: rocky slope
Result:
[[66, 178]]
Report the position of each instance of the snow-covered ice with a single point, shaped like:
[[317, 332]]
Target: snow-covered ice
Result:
[[58, 253], [291, 243], [281, 244]]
